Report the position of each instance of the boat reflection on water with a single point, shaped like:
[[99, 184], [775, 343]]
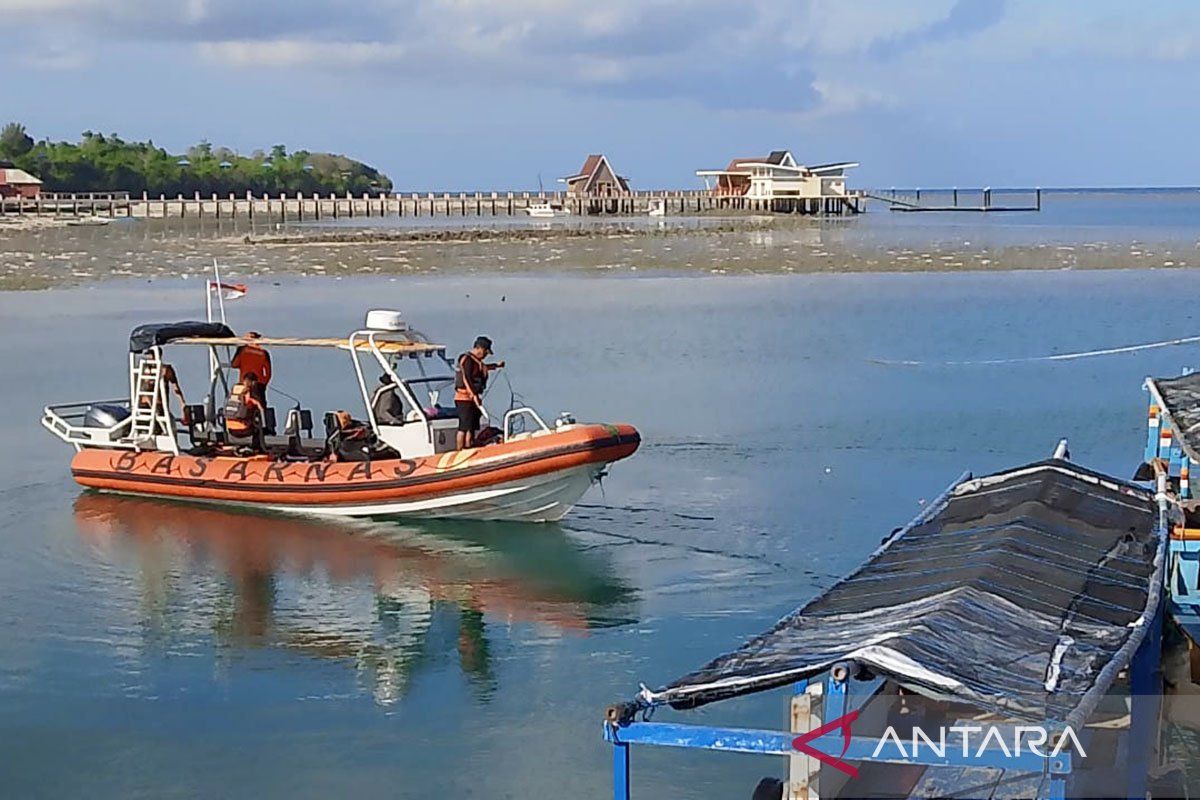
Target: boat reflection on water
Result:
[[388, 598]]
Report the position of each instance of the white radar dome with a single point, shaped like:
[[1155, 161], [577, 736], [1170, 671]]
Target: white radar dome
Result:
[[382, 319]]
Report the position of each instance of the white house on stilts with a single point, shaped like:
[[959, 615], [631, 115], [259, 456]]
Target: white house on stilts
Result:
[[779, 183]]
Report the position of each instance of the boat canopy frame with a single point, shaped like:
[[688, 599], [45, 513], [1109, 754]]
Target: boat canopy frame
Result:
[[387, 348]]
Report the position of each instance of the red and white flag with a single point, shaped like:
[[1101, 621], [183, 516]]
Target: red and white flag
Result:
[[228, 291]]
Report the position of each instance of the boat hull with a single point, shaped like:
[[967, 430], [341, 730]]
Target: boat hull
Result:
[[536, 479]]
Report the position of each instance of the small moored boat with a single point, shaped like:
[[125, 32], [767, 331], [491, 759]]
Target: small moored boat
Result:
[[406, 466], [544, 209]]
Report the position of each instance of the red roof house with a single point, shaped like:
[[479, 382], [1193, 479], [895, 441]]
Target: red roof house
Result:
[[18, 183]]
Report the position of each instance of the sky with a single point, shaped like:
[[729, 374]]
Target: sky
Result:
[[497, 94]]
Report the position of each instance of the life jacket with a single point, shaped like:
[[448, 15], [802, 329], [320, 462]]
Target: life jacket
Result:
[[237, 408], [460, 379]]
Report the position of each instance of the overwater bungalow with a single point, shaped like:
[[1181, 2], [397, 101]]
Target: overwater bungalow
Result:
[[779, 177]]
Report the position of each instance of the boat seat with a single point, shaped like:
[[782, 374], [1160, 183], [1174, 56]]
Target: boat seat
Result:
[[331, 424], [196, 431], [299, 420]]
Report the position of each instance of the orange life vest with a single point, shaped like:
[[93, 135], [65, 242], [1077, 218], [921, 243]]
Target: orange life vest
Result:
[[239, 409], [461, 392]]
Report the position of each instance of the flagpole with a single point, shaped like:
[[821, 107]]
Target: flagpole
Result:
[[214, 363], [220, 294]]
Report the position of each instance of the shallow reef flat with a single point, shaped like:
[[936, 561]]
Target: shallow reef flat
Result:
[[40, 255]]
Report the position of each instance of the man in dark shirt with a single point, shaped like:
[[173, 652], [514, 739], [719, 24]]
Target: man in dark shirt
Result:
[[470, 379], [386, 403]]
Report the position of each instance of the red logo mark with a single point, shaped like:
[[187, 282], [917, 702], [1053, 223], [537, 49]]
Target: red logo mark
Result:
[[842, 722]]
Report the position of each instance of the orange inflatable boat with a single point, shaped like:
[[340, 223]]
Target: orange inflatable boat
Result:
[[398, 461]]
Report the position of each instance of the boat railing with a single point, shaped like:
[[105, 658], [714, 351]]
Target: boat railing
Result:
[[514, 414], [65, 420]]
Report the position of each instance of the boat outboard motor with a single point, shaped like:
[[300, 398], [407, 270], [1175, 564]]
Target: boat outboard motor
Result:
[[104, 415]]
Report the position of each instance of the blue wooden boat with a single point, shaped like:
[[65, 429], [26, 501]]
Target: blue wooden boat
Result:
[[1173, 449]]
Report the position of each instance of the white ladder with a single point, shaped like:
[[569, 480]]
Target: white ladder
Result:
[[147, 400]]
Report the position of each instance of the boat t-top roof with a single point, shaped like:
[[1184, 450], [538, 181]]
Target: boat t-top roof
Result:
[[217, 334], [381, 341]]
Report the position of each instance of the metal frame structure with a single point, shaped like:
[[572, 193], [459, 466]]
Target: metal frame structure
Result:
[[153, 427]]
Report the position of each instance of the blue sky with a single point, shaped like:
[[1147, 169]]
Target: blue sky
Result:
[[481, 94]]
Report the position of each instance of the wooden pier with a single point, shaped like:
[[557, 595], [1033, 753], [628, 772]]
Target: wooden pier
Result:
[[302, 208], [909, 200]]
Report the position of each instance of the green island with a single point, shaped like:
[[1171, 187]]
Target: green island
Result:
[[108, 163]]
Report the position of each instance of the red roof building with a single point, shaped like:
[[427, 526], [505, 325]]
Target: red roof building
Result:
[[18, 183]]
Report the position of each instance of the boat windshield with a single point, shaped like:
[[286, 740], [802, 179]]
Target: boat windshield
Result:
[[435, 394]]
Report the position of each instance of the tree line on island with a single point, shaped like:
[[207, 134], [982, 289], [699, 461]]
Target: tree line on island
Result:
[[100, 163]]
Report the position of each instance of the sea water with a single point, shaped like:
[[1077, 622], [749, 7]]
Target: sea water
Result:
[[162, 650]]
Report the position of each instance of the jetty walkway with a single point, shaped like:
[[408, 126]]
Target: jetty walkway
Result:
[[298, 207]]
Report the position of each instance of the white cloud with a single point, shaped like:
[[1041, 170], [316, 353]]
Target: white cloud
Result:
[[1107, 30], [837, 28], [44, 8], [812, 57], [296, 52], [839, 99]]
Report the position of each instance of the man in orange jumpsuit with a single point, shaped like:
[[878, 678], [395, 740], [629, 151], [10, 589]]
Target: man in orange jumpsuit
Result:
[[253, 359]]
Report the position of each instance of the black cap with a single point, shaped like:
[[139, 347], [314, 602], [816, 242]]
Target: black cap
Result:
[[484, 342]]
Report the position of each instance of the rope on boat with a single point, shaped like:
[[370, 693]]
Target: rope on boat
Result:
[[1108, 351]]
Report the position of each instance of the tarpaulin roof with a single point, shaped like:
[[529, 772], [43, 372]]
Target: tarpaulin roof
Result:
[[1179, 399], [1022, 593], [155, 334]]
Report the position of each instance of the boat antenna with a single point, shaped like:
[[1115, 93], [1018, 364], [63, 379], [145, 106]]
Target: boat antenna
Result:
[[541, 189]]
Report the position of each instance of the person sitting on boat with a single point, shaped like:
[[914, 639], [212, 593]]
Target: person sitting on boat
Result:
[[244, 413], [254, 359], [470, 379], [386, 403], [172, 381], [351, 439]]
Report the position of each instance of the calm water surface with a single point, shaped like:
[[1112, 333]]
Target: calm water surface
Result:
[[161, 650]]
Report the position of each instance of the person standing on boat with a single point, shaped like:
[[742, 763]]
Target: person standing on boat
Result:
[[254, 359], [470, 379]]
